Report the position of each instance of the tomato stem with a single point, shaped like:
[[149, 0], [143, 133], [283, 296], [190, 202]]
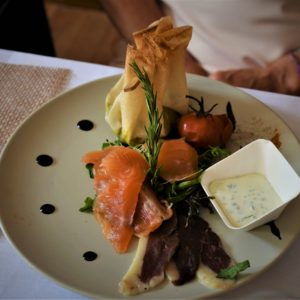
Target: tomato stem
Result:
[[201, 111]]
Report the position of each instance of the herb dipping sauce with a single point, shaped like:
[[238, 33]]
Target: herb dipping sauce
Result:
[[245, 198]]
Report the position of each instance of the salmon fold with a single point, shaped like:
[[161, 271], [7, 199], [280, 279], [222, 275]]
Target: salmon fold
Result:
[[119, 173]]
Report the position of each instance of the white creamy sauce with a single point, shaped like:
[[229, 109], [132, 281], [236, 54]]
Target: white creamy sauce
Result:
[[244, 198]]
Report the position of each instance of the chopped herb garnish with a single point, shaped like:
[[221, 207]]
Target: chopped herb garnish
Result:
[[90, 167], [232, 272], [88, 205]]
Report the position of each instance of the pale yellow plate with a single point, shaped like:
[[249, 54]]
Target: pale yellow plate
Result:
[[55, 243]]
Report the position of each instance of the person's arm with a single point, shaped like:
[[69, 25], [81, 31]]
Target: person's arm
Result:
[[129, 16], [194, 66], [281, 76]]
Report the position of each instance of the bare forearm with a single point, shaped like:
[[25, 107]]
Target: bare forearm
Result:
[[193, 66], [132, 15]]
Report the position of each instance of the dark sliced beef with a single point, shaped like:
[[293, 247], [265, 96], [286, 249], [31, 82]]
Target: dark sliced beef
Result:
[[197, 244], [213, 255], [187, 256], [161, 246], [188, 243]]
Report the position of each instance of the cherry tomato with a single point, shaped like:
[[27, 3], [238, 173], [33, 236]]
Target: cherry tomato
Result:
[[203, 132], [203, 129]]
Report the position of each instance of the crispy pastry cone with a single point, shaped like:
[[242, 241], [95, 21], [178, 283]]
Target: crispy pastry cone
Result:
[[160, 51]]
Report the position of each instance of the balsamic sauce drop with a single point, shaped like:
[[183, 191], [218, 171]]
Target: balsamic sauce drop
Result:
[[44, 160], [47, 209], [90, 256], [274, 229], [85, 125]]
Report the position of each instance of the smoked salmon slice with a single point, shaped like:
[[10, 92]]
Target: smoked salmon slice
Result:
[[119, 173], [95, 157], [150, 212], [177, 160]]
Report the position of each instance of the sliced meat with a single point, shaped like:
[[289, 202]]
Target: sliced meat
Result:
[[153, 254], [198, 247], [150, 212], [160, 248], [213, 255], [187, 257], [213, 259]]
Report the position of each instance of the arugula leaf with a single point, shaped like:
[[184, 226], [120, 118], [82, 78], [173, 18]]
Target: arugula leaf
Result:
[[90, 167], [88, 205], [108, 143], [232, 272], [211, 156], [180, 196]]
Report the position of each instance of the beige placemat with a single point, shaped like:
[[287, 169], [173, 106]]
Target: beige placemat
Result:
[[24, 89]]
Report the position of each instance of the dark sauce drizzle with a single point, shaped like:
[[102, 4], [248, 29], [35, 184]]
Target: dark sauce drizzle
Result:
[[85, 125], [90, 255], [274, 229], [47, 209], [44, 160]]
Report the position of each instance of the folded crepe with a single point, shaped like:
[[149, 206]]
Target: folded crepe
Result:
[[159, 50]]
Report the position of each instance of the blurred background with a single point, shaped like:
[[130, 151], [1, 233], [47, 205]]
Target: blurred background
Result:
[[81, 30], [72, 29]]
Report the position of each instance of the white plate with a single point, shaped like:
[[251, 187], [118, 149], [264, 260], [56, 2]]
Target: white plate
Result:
[[55, 243]]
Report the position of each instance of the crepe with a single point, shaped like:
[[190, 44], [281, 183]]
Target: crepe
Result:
[[159, 50]]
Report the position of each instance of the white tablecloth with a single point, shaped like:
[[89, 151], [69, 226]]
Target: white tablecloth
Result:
[[19, 280]]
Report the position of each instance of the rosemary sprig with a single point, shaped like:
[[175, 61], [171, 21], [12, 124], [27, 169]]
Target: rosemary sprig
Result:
[[153, 130]]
